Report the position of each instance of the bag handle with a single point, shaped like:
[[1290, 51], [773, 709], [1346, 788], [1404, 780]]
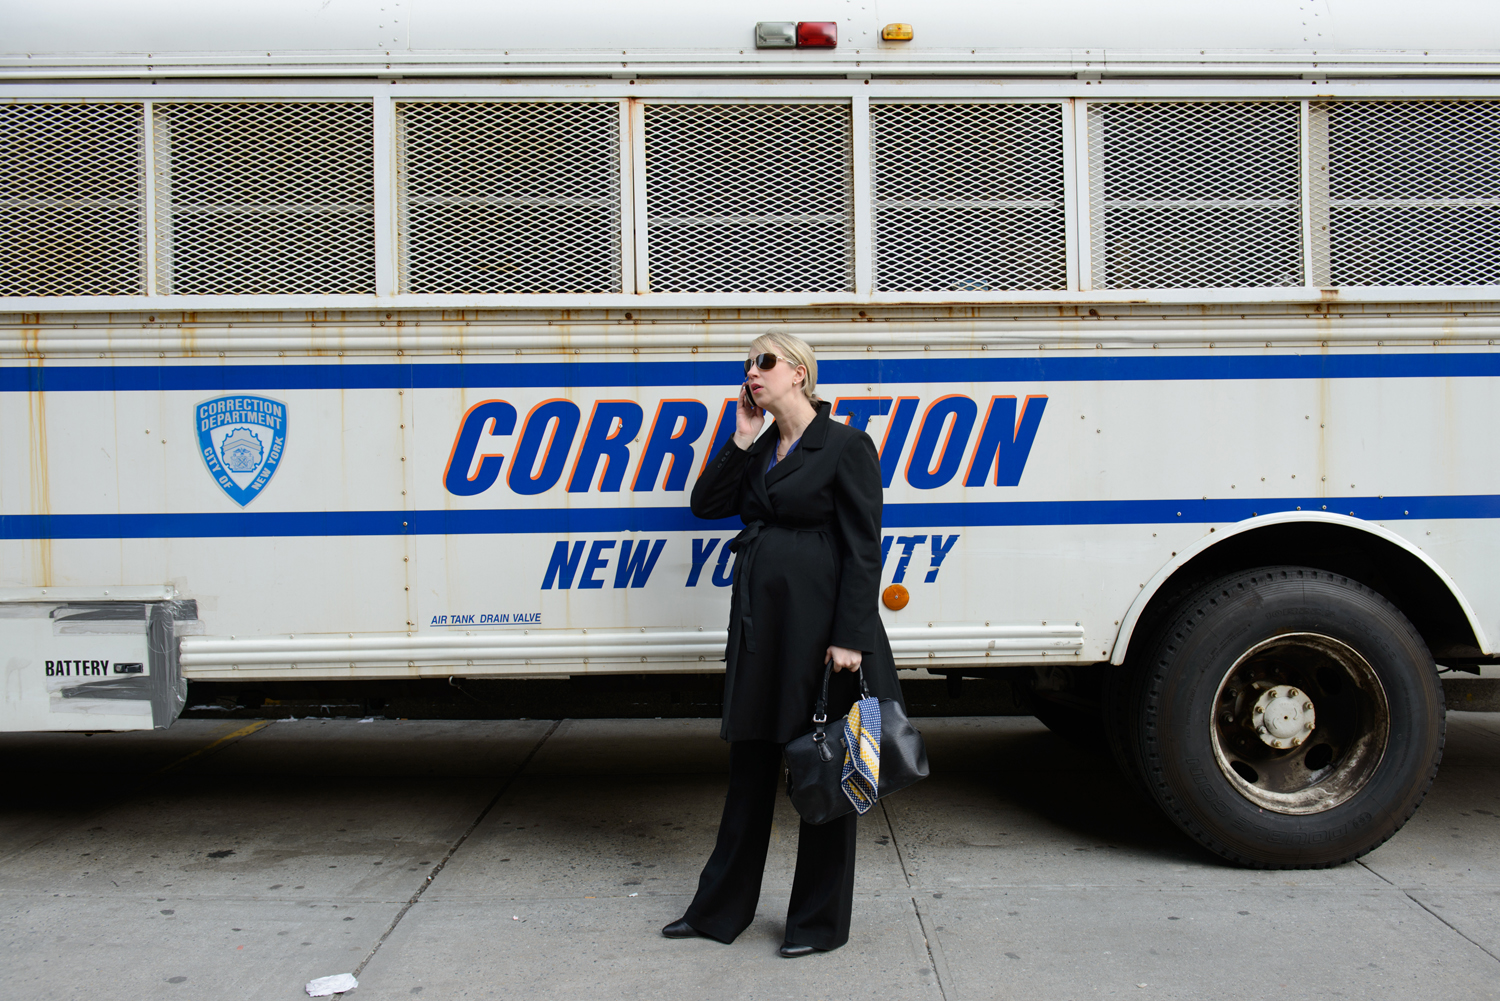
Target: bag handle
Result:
[[820, 710]]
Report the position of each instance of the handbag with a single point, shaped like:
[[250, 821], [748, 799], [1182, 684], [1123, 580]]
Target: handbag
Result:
[[815, 761]]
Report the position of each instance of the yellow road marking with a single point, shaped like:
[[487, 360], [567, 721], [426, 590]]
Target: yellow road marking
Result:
[[243, 731]]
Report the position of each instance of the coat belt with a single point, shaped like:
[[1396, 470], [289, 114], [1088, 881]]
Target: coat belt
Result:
[[746, 546]]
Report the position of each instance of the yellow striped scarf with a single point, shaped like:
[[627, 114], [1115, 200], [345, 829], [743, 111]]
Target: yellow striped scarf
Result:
[[861, 775]]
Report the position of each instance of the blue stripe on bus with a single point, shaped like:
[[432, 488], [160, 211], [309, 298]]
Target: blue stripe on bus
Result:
[[210, 378], [555, 521]]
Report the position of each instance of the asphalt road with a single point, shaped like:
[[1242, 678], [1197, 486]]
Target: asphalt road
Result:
[[537, 859]]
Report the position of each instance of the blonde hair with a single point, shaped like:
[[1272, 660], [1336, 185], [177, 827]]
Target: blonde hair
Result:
[[796, 351]]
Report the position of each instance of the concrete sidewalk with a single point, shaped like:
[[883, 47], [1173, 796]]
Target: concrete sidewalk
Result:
[[538, 859]]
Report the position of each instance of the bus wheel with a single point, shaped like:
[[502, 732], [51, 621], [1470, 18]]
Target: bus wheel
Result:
[[1288, 718]]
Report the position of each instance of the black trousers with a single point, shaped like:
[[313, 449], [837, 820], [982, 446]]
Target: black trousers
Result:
[[729, 889]]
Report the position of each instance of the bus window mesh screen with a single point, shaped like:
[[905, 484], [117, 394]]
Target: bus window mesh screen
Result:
[[1414, 192], [749, 198], [72, 209], [1202, 195], [265, 198], [510, 197], [968, 197]]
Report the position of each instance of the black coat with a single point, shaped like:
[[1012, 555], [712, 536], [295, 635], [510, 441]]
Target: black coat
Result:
[[806, 576]]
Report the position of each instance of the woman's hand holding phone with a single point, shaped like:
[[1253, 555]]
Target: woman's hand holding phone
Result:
[[748, 419]]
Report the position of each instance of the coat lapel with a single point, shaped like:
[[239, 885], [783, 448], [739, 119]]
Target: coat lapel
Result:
[[785, 467], [759, 449], [812, 438]]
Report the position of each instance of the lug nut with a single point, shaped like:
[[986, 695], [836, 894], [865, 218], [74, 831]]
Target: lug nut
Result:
[[1291, 693]]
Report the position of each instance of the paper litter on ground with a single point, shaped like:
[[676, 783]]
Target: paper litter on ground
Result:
[[336, 984]]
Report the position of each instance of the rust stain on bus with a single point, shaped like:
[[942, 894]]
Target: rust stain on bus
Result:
[[188, 336], [31, 335]]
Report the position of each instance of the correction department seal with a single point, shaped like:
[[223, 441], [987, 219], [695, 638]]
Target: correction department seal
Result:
[[241, 439]]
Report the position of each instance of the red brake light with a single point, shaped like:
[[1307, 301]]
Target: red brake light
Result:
[[817, 34]]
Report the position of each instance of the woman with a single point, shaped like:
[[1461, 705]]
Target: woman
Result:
[[807, 569]]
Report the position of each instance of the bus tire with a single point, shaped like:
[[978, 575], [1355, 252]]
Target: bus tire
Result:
[[1124, 691], [1290, 718]]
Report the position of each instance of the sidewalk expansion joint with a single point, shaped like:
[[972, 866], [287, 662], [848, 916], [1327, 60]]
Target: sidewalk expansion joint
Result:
[[453, 849], [1450, 925], [935, 956]]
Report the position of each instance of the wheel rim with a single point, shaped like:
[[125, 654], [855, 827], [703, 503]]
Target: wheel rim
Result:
[[1300, 723]]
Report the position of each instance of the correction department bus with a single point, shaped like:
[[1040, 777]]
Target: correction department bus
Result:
[[377, 340]]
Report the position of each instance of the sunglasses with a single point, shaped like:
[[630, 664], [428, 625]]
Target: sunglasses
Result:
[[762, 361]]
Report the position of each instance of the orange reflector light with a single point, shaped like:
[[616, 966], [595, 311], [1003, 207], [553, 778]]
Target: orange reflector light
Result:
[[896, 597], [896, 33], [817, 34]]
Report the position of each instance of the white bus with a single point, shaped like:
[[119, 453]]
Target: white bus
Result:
[[378, 340]]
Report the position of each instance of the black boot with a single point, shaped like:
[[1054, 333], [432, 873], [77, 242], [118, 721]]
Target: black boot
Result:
[[681, 929], [790, 950]]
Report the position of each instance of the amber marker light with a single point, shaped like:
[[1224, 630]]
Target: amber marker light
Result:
[[896, 33], [895, 597]]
